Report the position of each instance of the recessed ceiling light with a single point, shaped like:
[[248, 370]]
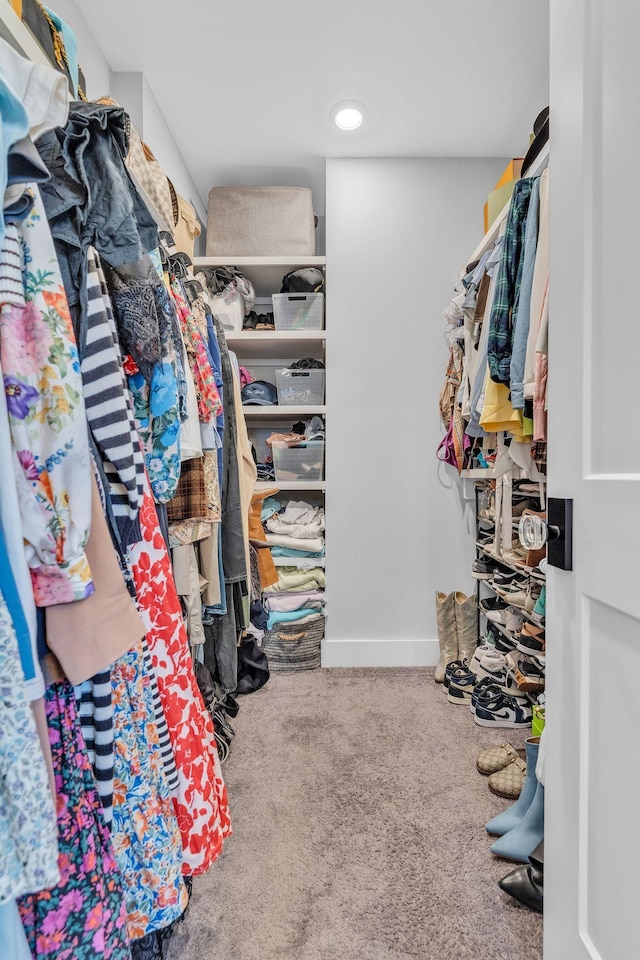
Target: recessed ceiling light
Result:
[[348, 115]]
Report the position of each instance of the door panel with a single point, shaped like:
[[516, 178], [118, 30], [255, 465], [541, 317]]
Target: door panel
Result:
[[610, 841], [592, 837]]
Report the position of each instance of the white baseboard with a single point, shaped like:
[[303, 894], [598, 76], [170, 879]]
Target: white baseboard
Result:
[[380, 653]]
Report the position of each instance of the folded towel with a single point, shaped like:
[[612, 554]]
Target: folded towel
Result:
[[281, 602], [300, 554]]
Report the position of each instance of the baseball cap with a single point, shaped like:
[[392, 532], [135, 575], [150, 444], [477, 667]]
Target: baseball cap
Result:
[[259, 393]]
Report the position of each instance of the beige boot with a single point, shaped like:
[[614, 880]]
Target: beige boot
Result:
[[466, 625], [446, 616]]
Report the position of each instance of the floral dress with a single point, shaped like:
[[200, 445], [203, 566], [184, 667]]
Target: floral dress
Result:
[[145, 833], [28, 832], [43, 387], [201, 801], [83, 917]]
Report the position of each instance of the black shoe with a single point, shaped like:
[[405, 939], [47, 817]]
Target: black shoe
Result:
[[526, 884]]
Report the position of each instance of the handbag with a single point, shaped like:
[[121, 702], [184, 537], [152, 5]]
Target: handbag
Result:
[[455, 445], [148, 173]]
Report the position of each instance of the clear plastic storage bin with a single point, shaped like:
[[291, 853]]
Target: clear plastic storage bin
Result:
[[304, 387], [298, 463], [298, 311]]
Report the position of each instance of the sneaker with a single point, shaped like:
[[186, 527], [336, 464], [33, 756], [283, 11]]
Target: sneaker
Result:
[[515, 619], [505, 645], [502, 710], [495, 668], [538, 612], [495, 610], [530, 676], [491, 635], [504, 578], [524, 506], [531, 641], [490, 664], [480, 651], [461, 684], [450, 667], [482, 570], [484, 689], [515, 597], [535, 590]]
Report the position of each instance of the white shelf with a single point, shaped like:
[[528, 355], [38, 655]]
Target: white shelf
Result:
[[291, 484], [265, 273], [277, 346], [282, 412]]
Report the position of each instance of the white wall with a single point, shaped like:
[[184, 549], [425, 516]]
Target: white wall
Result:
[[134, 93], [94, 64], [398, 233]]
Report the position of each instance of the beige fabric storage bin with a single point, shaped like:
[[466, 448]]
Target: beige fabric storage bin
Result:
[[260, 222]]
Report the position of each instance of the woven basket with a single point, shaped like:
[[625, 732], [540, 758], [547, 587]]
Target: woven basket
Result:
[[294, 646]]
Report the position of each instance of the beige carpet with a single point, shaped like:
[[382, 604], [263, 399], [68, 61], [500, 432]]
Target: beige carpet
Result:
[[359, 830]]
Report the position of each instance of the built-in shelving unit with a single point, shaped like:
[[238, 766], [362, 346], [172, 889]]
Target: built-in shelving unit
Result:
[[265, 273], [283, 412]]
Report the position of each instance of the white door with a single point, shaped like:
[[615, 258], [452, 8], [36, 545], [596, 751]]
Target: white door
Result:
[[592, 831]]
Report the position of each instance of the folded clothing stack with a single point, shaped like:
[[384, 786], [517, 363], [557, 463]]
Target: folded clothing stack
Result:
[[295, 531]]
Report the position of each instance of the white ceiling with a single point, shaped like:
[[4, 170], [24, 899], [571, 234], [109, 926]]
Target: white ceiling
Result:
[[247, 87]]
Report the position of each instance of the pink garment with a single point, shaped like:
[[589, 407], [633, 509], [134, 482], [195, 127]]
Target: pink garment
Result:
[[285, 602], [200, 803]]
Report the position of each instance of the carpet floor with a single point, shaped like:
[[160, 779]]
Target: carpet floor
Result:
[[358, 820]]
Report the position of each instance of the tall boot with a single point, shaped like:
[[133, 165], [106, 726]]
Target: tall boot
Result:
[[466, 625], [514, 814], [520, 842], [447, 636]]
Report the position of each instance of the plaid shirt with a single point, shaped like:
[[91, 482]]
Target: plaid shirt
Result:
[[507, 291]]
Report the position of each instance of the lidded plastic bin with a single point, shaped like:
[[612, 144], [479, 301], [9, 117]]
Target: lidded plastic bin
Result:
[[305, 462], [300, 386], [298, 311]]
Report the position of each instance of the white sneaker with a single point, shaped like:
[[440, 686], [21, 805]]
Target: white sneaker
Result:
[[480, 651], [514, 620], [498, 670]]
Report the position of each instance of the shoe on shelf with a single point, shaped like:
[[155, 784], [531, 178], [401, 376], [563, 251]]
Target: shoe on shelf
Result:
[[528, 512], [491, 635], [523, 506], [509, 781], [531, 641], [535, 589], [539, 610], [495, 609], [483, 569], [530, 676], [514, 620], [503, 578], [514, 594], [495, 668], [480, 651], [461, 684], [496, 758], [505, 645], [503, 710]]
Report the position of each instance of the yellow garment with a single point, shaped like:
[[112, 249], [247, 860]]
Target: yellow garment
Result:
[[498, 413]]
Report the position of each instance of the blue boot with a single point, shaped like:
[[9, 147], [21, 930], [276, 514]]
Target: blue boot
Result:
[[520, 842], [512, 816]]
